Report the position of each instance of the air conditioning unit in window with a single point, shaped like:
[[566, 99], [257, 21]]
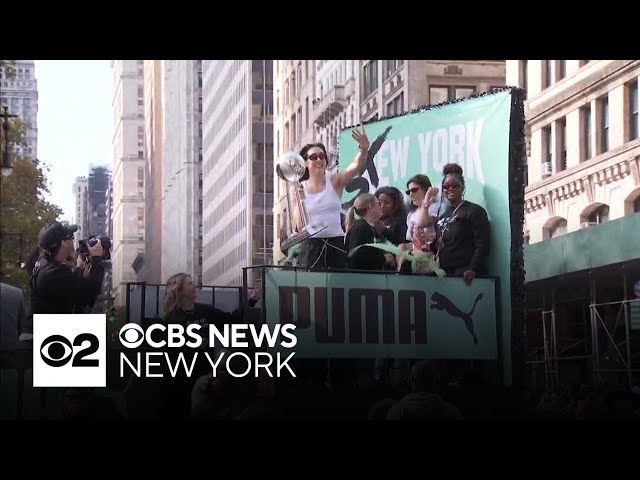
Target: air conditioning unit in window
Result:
[[547, 170], [588, 224]]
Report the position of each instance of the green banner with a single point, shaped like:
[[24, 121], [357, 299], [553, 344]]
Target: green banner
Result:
[[360, 315], [473, 133]]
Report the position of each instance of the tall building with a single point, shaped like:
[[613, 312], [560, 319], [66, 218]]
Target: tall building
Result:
[[343, 93], [81, 214], [107, 283], [582, 123], [582, 201], [390, 87], [336, 105], [97, 185], [151, 270], [294, 126], [19, 92], [128, 210], [182, 169], [237, 168]]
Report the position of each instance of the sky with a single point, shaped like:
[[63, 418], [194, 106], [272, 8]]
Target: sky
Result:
[[75, 123]]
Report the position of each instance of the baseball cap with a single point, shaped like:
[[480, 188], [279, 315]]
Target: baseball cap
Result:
[[53, 234]]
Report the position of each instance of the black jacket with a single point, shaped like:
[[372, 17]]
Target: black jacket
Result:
[[55, 288], [396, 231], [465, 239], [366, 258]]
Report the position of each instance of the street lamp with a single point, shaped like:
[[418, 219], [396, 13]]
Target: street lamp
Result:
[[7, 168]]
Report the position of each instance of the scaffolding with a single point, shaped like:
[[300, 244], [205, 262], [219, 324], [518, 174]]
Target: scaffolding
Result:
[[606, 345]]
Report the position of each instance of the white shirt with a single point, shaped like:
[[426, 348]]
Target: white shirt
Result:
[[413, 224], [325, 207]]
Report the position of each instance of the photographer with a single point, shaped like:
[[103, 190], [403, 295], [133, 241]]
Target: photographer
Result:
[[55, 287]]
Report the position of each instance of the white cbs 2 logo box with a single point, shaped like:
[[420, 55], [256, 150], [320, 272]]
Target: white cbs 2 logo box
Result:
[[69, 350]]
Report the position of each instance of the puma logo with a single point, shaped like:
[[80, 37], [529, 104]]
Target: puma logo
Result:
[[443, 303]]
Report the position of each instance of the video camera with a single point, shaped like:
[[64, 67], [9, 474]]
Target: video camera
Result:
[[83, 247]]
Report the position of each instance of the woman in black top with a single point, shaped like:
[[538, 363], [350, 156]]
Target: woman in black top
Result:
[[462, 236], [180, 308], [393, 224], [363, 231]]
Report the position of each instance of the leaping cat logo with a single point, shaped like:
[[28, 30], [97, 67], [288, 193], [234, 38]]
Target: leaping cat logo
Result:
[[443, 303]]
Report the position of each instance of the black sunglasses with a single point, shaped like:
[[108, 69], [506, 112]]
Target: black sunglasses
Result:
[[447, 186], [316, 156], [412, 190]]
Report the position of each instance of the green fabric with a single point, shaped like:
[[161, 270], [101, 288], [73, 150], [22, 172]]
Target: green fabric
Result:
[[415, 260]]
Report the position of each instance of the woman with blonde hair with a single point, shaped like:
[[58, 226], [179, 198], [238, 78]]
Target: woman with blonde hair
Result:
[[180, 305], [362, 232]]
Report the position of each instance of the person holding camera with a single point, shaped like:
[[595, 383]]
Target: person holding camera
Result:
[[55, 286]]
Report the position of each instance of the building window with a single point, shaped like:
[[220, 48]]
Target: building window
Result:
[[599, 215], [561, 133], [396, 106], [585, 116], [523, 75], [633, 109], [547, 149], [438, 95], [286, 136], [391, 66], [140, 154], [140, 103], [604, 124], [306, 69], [462, 92], [286, 94], [559, 228], [370, 78], [561, 69], [636, 205], [294, 130], [140, 176], [546, 74], [306, 113], [293, 85], [441, 94]]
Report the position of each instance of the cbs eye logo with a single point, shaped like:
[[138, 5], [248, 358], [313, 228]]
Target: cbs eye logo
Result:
[[131, 335], [57, 351], [69, 350]]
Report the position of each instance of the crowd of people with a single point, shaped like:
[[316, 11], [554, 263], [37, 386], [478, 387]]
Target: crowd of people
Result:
[[438, 223]]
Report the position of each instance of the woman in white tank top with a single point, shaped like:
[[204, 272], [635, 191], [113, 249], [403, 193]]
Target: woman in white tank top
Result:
[[323, 193]]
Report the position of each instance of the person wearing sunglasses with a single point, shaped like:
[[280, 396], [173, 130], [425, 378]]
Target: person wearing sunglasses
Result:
[[322, 192], [418, 237], [462, 235]]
